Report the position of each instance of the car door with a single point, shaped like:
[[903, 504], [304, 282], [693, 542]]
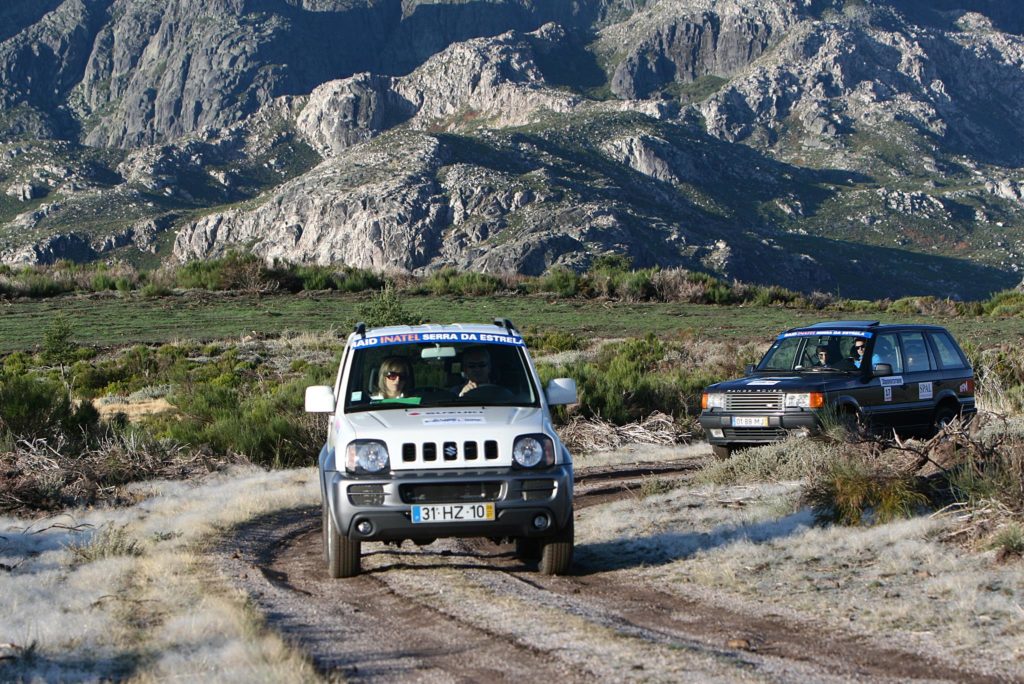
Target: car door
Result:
[[957, 375], [883, 398], [923, 380]]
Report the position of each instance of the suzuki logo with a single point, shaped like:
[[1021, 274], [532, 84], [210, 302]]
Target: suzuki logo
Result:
[[450, 451]]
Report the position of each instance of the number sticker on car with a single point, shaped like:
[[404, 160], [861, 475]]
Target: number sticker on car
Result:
[[750, 421], [451, 513]]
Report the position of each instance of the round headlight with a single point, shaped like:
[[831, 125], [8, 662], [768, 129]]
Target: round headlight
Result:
[[370, 456], [531, 451]]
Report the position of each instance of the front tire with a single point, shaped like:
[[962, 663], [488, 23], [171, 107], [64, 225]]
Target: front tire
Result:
[[721, 451], [527, 549], [342, 554], [556, 551]]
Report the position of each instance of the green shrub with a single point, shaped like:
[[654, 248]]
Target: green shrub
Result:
[[38, 285], [266, 426], [102, 282], [234, 271], [58, 347], [1009, 541], [559, 280], [385, 308], [553, 341], [358, 280], [38, 408], [448, 281], [851, 491], [151, 290], [316, 278]]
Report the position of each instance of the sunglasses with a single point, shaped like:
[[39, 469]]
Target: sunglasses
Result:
[[394, 375], [858, 346]]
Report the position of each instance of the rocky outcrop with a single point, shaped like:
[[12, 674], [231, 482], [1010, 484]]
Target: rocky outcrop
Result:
[[387, 214], [680, 41], [877, 73], [131, 73], [492, 81]]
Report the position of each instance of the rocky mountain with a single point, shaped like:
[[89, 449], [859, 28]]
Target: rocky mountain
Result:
[[872, 147]]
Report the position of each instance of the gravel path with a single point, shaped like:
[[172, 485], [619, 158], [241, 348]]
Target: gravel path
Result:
[[468, 610]]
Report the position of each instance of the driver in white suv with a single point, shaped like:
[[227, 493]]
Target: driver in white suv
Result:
[[476, 369]]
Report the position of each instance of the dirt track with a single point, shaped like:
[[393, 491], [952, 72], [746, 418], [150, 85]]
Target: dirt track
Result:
[[468, 610]]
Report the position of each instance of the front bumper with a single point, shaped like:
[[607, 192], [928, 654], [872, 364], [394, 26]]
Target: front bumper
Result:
[[780, 425], [386, 503]]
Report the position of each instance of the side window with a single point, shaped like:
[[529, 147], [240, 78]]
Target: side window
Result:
[[949, 357], [915, 352], [887, 350]]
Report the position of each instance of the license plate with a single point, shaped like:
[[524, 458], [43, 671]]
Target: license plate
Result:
[[750, 421], [451, 513]]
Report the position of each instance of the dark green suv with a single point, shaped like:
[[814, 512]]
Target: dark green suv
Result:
[[905, 377]]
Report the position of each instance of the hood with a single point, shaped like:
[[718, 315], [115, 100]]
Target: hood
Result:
[[428, 422], [779, 383], [408, 430]]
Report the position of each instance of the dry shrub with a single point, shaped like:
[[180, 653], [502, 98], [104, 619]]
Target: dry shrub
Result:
[[973, 472], [41, 475], [583, 435], [677, 285], [853, 489], [999, 379], [795, 458]]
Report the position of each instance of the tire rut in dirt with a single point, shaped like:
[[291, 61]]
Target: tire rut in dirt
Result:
[[358, 627]]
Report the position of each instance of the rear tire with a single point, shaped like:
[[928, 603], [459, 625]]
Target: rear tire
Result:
[[943, 416], [556, 551], [342, 554], [721, 451]]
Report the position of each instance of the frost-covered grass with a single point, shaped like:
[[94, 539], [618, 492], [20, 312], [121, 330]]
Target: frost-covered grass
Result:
[[753, 545], [117, 593]]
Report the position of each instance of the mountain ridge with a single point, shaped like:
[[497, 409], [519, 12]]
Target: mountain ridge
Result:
[[808, 144]]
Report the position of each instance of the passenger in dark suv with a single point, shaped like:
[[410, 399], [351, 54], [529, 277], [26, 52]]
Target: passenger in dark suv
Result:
[[918, 380]]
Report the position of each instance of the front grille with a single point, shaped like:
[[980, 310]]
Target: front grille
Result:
[[470, 492], [366, 494], [755, 434], [449, 452], [754, 401]]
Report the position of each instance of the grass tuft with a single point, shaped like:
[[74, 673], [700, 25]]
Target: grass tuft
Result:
[[110, 541]]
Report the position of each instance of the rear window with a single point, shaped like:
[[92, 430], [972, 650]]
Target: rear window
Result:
[[949, 355]]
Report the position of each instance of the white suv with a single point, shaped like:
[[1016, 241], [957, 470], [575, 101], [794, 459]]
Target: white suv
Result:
[[443, 431]]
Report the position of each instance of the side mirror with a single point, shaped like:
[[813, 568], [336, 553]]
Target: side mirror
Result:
[[749, 370], [882, 369], [320, 399], [561, 391]]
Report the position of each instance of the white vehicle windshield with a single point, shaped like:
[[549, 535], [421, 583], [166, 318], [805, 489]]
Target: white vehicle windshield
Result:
[[397, 376], [814, 352]]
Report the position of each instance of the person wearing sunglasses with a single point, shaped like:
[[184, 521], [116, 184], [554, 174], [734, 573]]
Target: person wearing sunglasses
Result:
[[859, 346], [394, 379], [476, 369]]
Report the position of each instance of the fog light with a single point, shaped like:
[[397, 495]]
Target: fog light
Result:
[[716, 433], [541, 522], [364, 527]]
